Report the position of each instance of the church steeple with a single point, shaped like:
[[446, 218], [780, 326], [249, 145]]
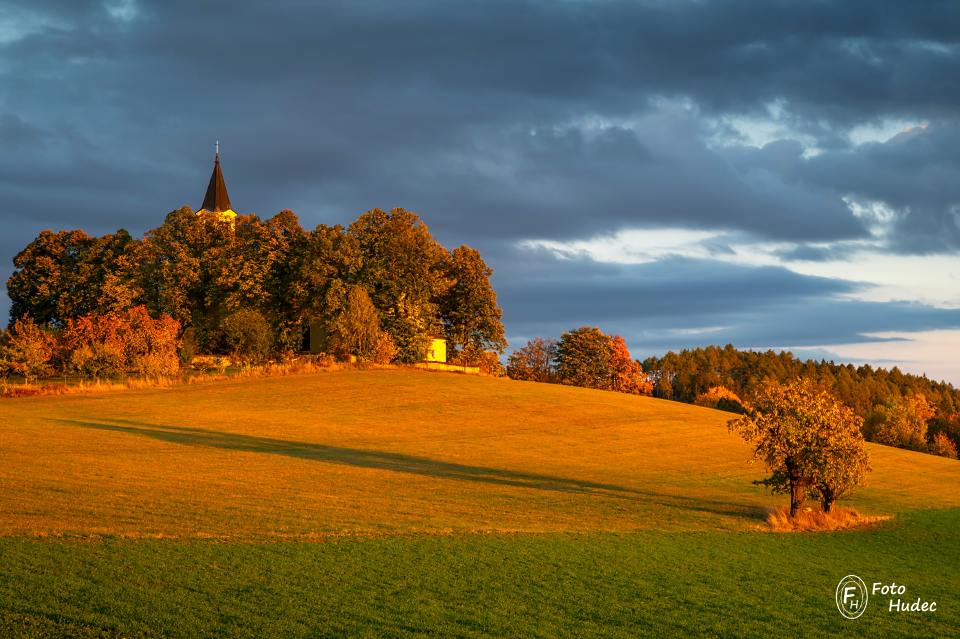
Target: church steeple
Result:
[[216, 200]]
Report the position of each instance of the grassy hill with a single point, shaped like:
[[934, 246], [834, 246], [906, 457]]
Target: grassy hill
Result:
[[441, 504]]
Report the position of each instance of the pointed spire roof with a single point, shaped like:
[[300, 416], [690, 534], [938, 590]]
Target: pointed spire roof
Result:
[[216, 200]]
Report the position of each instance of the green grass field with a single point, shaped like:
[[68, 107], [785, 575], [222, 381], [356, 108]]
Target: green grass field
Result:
[[404, 503]]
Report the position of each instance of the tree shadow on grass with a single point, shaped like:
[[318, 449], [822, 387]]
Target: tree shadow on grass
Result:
[[404, 463]]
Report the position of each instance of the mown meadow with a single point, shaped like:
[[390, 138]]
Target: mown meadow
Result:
[[402, 503]]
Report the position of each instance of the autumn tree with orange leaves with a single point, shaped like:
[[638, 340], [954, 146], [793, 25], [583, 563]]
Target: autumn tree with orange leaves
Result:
[[27, 349], [626, 373], [121, 343], [810, 441]]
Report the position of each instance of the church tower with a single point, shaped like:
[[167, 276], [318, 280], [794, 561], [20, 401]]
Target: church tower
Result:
[[216, 200]]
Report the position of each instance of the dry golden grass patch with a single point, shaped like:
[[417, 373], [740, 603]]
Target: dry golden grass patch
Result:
[[82, 387], [815, 520], [54, 387], [393, 451]]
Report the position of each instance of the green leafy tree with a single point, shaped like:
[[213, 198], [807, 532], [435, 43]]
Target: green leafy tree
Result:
[[199, 269], [247, 336], [321, 272], [68, 274], [471, 316], [584, 358], [356, 330], [262, 269], [404, 271], [809, 440], [187, 271]]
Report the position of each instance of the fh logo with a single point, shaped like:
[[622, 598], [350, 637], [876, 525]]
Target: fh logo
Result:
[[851, 596]]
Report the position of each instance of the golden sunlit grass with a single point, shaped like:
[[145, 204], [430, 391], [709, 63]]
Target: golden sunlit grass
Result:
[[82, 387], [393, 451], [54, 386], [814, 520]]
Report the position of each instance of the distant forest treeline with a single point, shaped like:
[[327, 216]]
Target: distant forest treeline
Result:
[[686, 375], [898, 408]]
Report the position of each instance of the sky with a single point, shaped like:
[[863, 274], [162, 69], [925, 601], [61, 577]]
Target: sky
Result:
[[768, 174]]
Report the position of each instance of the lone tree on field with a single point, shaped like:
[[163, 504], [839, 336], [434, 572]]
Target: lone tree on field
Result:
[[809, 440]]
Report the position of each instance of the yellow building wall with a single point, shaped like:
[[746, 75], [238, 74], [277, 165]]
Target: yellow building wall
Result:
[[229, 215], [448, 368], [437, 351]]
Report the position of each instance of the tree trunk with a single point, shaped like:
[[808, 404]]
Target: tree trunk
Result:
[[796, 489], [826, 499], [796, 497]]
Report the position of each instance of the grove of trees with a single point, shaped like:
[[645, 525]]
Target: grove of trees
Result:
[[378, 289], [585, 356]]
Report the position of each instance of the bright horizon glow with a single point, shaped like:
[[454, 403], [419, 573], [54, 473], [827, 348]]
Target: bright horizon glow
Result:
[[935, 354]]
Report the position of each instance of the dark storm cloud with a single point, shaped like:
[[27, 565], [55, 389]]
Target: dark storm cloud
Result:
[[498, 121], [915, 175], [431, 105], [658, 292]]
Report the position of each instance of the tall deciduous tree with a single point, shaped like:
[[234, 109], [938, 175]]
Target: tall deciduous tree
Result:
[[321, 272], [584, 358], [260, 248], [404, 272], [471, 315], [183, 265], [809, 440], [67, 274], [198, 269]]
